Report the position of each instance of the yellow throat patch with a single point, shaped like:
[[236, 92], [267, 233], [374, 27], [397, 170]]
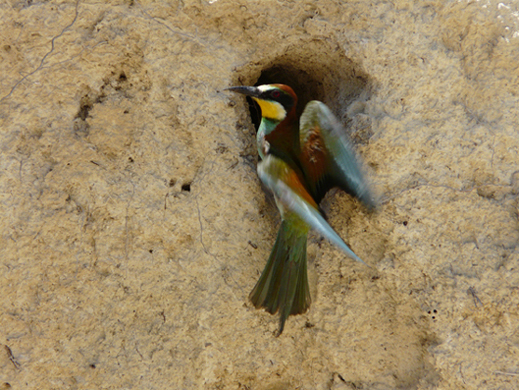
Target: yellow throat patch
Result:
[[271, 110]]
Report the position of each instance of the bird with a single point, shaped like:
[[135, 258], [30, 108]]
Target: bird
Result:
[[301, 160]]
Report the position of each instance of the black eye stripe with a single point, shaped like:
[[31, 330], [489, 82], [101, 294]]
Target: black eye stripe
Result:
[[286, 100]]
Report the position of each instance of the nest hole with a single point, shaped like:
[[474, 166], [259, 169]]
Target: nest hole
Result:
[[316, 70]]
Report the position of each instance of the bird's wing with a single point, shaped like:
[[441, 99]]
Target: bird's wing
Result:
[[292, 198], [327, 156]]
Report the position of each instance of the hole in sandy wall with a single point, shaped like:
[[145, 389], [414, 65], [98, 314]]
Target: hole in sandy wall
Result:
[[316, 70]]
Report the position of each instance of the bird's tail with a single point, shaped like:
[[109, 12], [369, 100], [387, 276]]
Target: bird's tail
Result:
[[283, 285]]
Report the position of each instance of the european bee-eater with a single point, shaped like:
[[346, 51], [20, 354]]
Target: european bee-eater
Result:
[[302, 158]]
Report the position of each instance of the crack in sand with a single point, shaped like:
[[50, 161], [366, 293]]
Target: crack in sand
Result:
[[223, 267], [177, 32], [40, 66]]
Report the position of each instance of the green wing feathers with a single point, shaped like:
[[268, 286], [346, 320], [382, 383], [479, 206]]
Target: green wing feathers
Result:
[[327, 155], [283, 285], [295, 203]]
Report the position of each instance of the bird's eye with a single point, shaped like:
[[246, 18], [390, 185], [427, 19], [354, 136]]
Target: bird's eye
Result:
[[275, 94]]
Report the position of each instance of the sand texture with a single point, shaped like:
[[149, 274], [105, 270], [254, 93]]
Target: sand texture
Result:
[[134, 226]]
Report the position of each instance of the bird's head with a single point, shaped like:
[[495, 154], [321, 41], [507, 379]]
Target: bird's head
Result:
[[276, 101]]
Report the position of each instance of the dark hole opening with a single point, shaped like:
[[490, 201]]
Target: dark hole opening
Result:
[[85, 106]]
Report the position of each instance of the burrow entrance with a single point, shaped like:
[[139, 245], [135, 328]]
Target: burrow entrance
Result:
[[316, 70]]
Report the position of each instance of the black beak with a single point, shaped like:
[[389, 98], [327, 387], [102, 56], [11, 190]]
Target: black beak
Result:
[[248, 91]]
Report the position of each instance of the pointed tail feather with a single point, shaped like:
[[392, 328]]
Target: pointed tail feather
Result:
[[283, 285]]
